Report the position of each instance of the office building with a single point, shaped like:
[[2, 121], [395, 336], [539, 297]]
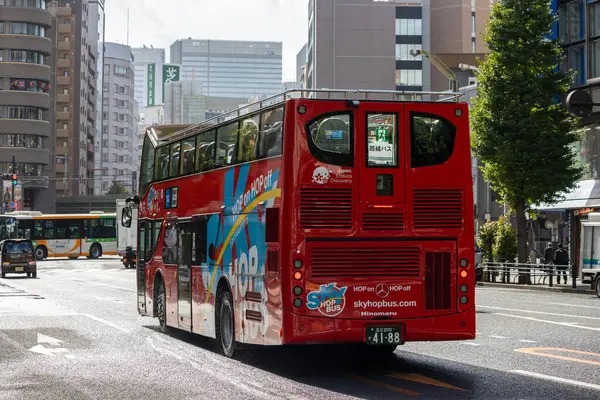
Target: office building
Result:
[[119, 146], [96, 39], [369, 44], [239, 69], [26, 97], [142, 56], [185, 103], [76, 97]]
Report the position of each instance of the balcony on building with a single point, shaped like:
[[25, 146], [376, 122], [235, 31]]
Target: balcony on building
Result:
[[63, 116], [61, 150], [62, 133], [63, 81], [62, 98], [63, 45], [65, 28], [60, 168], [64, 63], [61, 187]]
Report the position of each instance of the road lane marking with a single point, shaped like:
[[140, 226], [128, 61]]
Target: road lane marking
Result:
[[575, 305], [104, 284], [527, 341], [425, 380], [556, 379], [540, 312], [550, 322], [498, 337], [105, 322], [470, 343], [540, 351], [385, 385]]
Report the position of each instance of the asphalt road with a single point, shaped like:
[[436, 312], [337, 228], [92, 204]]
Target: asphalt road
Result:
[[74, 333]]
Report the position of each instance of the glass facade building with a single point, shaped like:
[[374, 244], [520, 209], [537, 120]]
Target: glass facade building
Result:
[[240, 69]]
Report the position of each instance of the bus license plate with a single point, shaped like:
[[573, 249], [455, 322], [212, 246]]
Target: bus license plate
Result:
[[19, 269], [382, 335]]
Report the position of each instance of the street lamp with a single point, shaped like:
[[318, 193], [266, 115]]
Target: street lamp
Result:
[[440, 66], [467, 67]]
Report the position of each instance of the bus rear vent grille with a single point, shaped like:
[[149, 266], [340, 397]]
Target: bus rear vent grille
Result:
[[378, 221], [333, 262], [438, 208], [437, 280], [325, 208]]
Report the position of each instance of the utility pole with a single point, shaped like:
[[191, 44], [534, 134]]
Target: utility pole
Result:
[[14, 172]]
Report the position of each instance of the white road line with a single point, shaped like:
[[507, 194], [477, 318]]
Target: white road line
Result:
[[104, 284], [105, 322], [574, 305], [470, 343], [498, 337], [556, 379], [540, 312], [550, 322], [527, 341]]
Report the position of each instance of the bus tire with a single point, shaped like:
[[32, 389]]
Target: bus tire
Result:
[[225, 327], [95, 251], [160, 301], [40, 253], [598, 286]]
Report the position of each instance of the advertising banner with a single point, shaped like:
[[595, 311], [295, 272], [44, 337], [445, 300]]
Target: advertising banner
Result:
[[171, 73], [150, 87], [7, 198]]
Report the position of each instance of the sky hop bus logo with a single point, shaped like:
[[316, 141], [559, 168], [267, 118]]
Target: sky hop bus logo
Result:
[[321, 175], [330, 300]]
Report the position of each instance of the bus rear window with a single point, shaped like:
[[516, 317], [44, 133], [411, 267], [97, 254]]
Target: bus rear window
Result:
[[382, 150], [330, 139], [431, 139]]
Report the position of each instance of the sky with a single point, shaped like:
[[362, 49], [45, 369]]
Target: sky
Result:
[[159, 23]]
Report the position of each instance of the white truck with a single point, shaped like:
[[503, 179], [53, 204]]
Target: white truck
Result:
[[126, 237]]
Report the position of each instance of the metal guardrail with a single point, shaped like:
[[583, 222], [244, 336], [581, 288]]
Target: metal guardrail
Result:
[[525, 274]]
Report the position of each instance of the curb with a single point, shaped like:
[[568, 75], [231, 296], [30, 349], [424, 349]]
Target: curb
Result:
[[538, 288]]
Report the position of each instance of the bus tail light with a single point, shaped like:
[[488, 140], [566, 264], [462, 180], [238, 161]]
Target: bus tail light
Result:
[[297, 275]]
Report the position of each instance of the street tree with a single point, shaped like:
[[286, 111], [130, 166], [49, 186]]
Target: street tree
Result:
[[117, 188], [521, 133]]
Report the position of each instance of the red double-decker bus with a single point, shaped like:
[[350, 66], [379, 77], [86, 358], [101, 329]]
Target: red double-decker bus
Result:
[[311, 217]]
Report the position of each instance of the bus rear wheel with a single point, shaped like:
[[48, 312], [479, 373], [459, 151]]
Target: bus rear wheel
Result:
[[95, 251], [40, 253], [598, 286], [225, 323]]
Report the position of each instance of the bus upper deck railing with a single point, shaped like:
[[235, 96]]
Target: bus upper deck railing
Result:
[[319, 94]]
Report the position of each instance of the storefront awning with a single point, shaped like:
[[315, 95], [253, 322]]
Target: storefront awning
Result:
[[586, 194]]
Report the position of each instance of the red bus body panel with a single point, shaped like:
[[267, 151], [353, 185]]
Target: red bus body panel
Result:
[[365, 259]]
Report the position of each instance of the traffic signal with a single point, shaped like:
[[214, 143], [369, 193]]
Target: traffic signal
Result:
[[14, 180]]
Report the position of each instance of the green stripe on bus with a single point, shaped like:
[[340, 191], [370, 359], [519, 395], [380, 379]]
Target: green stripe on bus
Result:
[[590, 261], [101, 240]]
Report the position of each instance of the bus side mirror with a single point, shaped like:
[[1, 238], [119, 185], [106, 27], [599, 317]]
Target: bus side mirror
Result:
[[126, 216]]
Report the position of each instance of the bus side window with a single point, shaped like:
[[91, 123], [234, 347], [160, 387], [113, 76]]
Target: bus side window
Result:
[[205, 151], [189, 155], [153, 233], [142, 240], [331, 138], [200, 240], [271, 133], [38, 230], [170, 244], [147, 168], [175, 159], [227, 137], [50, 230], [162, 163], [248, 139]]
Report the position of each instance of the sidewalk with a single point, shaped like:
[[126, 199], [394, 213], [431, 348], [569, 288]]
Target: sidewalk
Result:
[[582, 288]]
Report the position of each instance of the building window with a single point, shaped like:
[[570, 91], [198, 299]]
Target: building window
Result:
[[24, 3], [25, 28], [22, 112], [25, 56], [29, 85], [577, 64], [409, 27], [571, 21], [120, 70], [409, 77], [26, 141], [26, 169], [403, 52]]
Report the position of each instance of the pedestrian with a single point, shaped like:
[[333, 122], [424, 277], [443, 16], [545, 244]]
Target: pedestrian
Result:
[[548, 254], [561, 259]]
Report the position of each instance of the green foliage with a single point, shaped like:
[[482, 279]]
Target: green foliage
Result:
[[519, 131], [117, 188], [505, 242], [486, 239], [522, 136]]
